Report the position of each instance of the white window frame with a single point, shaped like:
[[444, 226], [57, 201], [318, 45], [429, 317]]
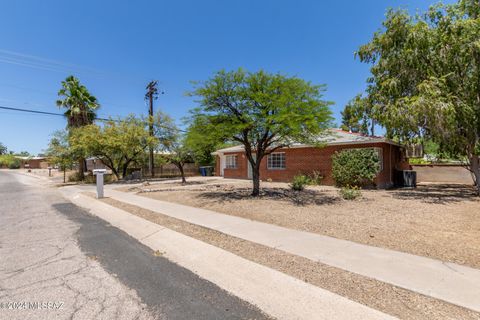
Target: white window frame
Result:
[[270, 161], [231, 161]]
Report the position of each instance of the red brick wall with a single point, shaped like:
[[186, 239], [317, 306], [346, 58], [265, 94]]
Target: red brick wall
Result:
[[309, 159], [241, 172]]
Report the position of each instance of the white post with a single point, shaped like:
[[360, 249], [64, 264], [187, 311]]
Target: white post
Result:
[[99, 177]]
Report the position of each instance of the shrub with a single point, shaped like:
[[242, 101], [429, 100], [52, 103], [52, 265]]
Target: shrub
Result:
[[350, 193], [355, 167], [74, 177], [315, 178], [299, 182], [14, 164]]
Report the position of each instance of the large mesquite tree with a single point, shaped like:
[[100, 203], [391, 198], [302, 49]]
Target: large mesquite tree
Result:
[[425, 78], [261, 111]]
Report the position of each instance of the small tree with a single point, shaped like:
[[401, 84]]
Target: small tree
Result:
[[179, 156], [3, 149], [262, 111], [357, 116], [172, 143], [355, 167], [117, 143], [59, 151]]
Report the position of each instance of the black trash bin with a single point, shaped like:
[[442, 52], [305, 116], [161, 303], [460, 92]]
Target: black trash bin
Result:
[[209, 171], [410, 178], [407, 179]]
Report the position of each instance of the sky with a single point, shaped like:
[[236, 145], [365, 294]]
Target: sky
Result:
[[116, 47]]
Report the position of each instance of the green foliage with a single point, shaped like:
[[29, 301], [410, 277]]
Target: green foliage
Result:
[[299, 182], [350, 192], [355, 167], [261, 111], [9, 161], [425, 77], [59, 151], [357, 116], [78, 101], [3, 149], [15, 164], [418, 161], [173, 144], [22, 154], [200, 141], [118, 143], [315, 178]]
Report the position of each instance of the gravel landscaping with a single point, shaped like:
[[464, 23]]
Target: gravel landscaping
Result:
[[438, 221], [378, 295]]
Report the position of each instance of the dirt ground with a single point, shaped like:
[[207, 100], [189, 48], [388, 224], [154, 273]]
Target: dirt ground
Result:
[[378, 295], [438, 221]]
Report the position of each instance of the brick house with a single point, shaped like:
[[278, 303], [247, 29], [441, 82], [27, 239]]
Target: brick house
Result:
[[33, 162], [284, 164]]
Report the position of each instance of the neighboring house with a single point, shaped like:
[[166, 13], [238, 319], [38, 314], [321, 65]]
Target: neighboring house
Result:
[[33, 162], [93, 163], [285, 163]]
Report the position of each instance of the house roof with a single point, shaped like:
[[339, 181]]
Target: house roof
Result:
[[333, 136], [30, 158]]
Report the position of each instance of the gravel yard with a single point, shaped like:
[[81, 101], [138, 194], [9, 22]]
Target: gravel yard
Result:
[[438, 221], [378, 295]]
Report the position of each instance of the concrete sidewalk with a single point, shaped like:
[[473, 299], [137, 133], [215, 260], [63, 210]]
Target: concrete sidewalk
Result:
[[276, 293], [446, 281]]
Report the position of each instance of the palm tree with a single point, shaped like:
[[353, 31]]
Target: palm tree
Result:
[[80, 105]]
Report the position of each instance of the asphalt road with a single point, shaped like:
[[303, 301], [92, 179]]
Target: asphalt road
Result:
[[59, 262]]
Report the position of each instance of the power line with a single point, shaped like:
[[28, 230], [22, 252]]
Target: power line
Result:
[[62, 115]]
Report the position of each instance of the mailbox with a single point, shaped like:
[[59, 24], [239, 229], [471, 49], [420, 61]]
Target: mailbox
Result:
[[99, 177]]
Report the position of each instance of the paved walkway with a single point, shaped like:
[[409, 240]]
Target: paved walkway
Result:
[[446, 281], [277, 294]]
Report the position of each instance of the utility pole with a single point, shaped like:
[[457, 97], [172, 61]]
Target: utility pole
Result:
[[152, 93]]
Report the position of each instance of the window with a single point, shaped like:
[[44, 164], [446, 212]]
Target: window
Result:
[[276, 161], [231, 162], [380, 158]]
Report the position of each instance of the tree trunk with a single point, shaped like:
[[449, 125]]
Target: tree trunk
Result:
[[182, 172], [256, 180], [81, 169], [475, 168], [64, 173]]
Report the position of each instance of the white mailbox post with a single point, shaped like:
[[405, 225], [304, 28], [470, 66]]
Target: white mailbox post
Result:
[[99, 177]]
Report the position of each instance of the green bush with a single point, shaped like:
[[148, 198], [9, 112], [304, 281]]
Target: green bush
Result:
[[14, 164], [8, 160], [299, 182], [355, 167], [350, 193]]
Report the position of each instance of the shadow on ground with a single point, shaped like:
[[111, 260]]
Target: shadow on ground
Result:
[[299, 198], [438, 193]]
